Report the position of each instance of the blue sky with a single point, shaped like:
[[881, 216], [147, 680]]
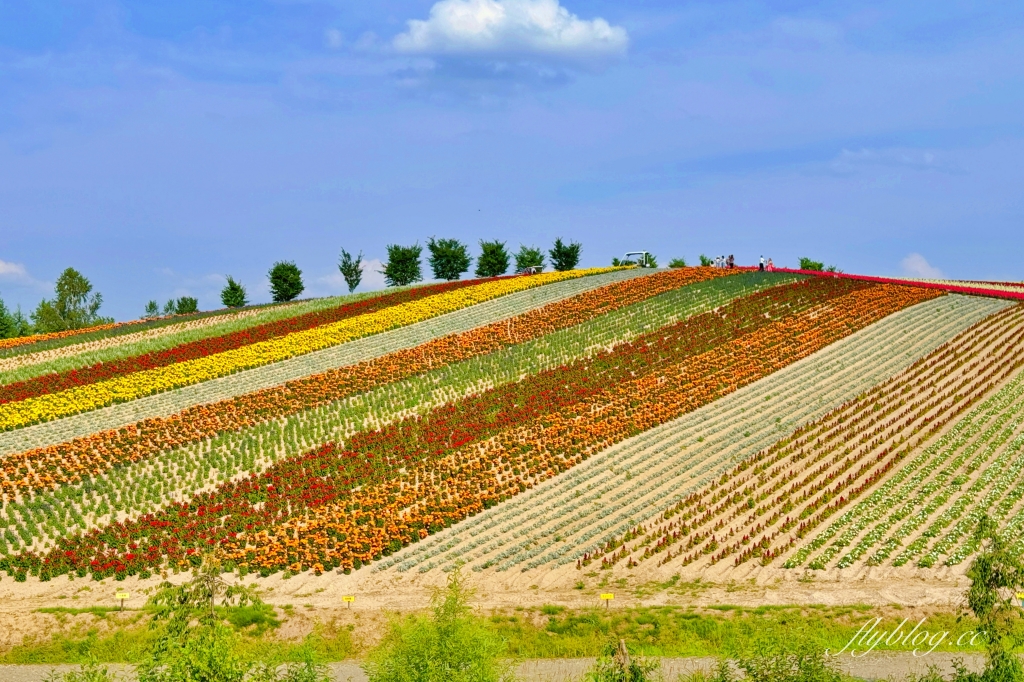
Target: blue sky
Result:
[[158, 146]]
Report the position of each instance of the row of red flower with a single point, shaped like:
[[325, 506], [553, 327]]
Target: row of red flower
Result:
[[329, 474], [941, 286], [89, 455], [59, 381]]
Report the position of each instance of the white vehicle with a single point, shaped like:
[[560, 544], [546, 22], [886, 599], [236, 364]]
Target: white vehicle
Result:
[[645, 259]]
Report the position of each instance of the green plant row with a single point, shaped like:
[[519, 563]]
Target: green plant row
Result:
[[269, 313], [242, 382], [178, 474], [626, 485]]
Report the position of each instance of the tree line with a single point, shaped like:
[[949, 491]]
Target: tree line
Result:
[[76, 306], [448, 259], [73, 306]]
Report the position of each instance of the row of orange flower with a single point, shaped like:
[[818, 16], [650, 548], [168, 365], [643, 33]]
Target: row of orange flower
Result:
[[440, 493], [804, 479], [334, 507], [68, 462]]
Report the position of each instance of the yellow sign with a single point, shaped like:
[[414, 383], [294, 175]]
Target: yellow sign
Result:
[[121, 595], [348, 599], [607, 595]]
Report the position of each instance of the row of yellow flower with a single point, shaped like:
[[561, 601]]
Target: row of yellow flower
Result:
[[129, 387]]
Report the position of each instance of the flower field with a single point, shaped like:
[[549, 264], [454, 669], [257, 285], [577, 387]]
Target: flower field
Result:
[[89, 348], [208, 360], [694, 419], [246, 381], [633, 482], [765, 506], [788, 322], [69, 462]]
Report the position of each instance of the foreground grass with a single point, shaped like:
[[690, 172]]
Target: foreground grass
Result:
[[545, 632]]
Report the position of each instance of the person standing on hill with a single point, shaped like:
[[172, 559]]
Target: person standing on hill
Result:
[[760, 265], [771, 265], [730, 262]]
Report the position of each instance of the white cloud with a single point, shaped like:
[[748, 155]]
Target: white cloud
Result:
[[333, 38], [373, 278], [510, 27], [13, 271], [18, 274], [915, 265]]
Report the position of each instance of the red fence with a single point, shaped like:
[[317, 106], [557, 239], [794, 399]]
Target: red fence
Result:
[[952, 288]]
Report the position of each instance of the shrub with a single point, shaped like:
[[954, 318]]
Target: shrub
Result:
[[448, 646], [285, 281], [309, 670], [449, 258], [677, 263], [706, 261], [351, 269], [90, 671], [493, 260], [996, 575], [808, 264], [529, 257], [195, 645], [233, 294], [793, 660], [403, 266], [186, 305], [619, 664], [565, 256]]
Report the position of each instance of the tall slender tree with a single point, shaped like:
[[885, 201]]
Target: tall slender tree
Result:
[[7, 328], [72, 306], [351, 269]]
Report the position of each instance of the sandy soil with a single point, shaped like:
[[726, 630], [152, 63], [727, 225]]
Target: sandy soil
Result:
[[307, 598]]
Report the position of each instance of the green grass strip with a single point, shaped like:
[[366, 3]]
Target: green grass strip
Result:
[[179, 474]]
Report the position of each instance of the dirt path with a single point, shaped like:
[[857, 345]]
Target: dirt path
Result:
[[873, 667]]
